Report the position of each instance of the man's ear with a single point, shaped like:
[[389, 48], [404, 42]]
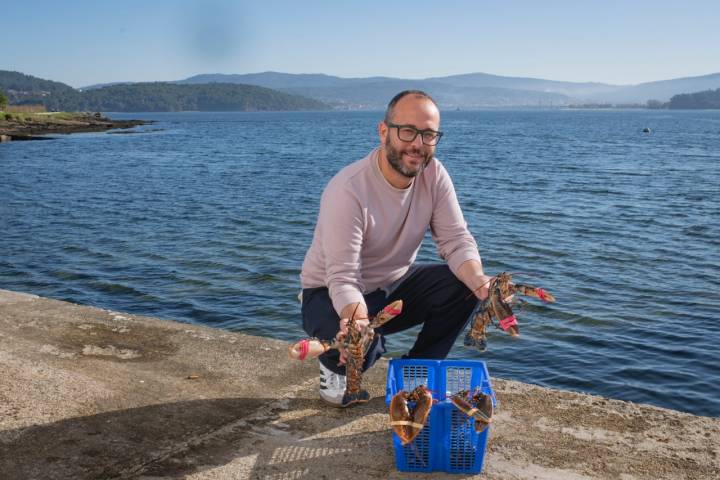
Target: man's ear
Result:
[[382, 132]]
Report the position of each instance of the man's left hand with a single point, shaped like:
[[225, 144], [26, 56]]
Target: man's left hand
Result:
[[483, 290]]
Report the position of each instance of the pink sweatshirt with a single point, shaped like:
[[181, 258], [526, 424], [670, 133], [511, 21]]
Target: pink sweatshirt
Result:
[[368, 232]]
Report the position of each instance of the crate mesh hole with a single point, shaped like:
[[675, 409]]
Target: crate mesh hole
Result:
[[458, 378], [414, 375]]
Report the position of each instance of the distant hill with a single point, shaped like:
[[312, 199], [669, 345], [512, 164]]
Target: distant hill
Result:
[[708, 99], [150, 97], [170, 97], [273, 79], [470, 90], [103, 85], [373, 93], [572, 89], [317, 91], [376, 95], [661, 90], [26, 89]]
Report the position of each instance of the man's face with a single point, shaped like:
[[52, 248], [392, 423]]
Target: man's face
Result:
[[409, 158]]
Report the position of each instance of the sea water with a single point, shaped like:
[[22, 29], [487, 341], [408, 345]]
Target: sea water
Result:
[[206, 217]]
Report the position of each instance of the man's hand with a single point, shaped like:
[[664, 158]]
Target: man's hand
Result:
[[484, 290], [484, 284], [472, 275], [343, 331], [359, 312]]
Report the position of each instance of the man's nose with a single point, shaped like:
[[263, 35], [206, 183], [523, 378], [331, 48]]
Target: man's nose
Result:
[[417, 141]]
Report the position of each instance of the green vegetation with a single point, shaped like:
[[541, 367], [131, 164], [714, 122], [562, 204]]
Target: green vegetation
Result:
[[3, 100], [705, 99], [150, 97], [42, 117], [656, 105], [24, 89], [159, 97]]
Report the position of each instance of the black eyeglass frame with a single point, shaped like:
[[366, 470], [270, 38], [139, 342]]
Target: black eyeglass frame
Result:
[[417, 132]]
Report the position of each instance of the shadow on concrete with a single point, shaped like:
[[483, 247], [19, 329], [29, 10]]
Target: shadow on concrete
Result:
[[266, 438]]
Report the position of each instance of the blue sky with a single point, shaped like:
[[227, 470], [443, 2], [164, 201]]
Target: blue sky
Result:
[[622, 42]]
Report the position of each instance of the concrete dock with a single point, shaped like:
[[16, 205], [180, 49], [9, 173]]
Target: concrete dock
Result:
[[87, 393]]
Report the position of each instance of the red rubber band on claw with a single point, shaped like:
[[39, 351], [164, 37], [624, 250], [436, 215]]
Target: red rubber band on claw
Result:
[[304, 349], [508, 322], [541, 294], [391, 311]]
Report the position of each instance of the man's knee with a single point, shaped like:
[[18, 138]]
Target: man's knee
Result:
[[444, 280], [318, 314]]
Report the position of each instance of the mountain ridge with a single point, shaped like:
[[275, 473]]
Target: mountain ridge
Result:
[[150, 96], [461, 91]]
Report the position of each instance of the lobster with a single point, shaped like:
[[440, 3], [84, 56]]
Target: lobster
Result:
[[477, 405], [496, 306], [356, 342], [407, 422]]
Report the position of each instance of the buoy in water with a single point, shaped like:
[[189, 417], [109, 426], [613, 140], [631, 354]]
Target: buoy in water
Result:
[[646, 130]]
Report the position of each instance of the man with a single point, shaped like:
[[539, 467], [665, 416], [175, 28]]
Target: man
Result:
[[373, 217]]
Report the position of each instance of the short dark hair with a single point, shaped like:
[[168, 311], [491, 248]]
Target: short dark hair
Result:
[[391, 106]]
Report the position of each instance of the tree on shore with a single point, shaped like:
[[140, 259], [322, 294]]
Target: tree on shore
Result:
[[700, 100], [3, 100], [656, 104]]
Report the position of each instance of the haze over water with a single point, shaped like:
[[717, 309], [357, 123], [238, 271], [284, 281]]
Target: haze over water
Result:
[[207, 221]]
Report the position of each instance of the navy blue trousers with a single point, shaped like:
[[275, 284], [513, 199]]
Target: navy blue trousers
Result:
[[432, 296]]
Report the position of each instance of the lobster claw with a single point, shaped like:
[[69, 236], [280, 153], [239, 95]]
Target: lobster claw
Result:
[[510, 325], [309, 347], [386, 314], [535, 292], [479, 407], [407, 422], [483, 403]]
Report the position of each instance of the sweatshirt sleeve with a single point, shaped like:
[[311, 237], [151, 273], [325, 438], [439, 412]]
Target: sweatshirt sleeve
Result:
[[341, 226], [449, 230]]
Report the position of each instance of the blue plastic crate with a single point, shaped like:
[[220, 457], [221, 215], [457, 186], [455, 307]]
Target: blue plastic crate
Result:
[[448, 442]]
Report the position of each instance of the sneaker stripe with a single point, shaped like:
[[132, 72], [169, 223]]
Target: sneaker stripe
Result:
[[332, 386]]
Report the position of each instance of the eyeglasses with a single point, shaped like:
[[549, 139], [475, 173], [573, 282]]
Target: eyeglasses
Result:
[[408, 133]]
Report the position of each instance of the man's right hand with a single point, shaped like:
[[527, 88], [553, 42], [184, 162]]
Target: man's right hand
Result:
[[343, 331]]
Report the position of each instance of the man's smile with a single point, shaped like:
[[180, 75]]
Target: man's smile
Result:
[[414, 156]]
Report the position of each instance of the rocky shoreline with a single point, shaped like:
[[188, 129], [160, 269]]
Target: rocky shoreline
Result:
[[22, 126]]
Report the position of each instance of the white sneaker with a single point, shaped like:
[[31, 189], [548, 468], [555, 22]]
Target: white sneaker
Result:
[[332, 386]]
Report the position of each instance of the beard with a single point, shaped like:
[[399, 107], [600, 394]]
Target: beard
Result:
[[394, 157]]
